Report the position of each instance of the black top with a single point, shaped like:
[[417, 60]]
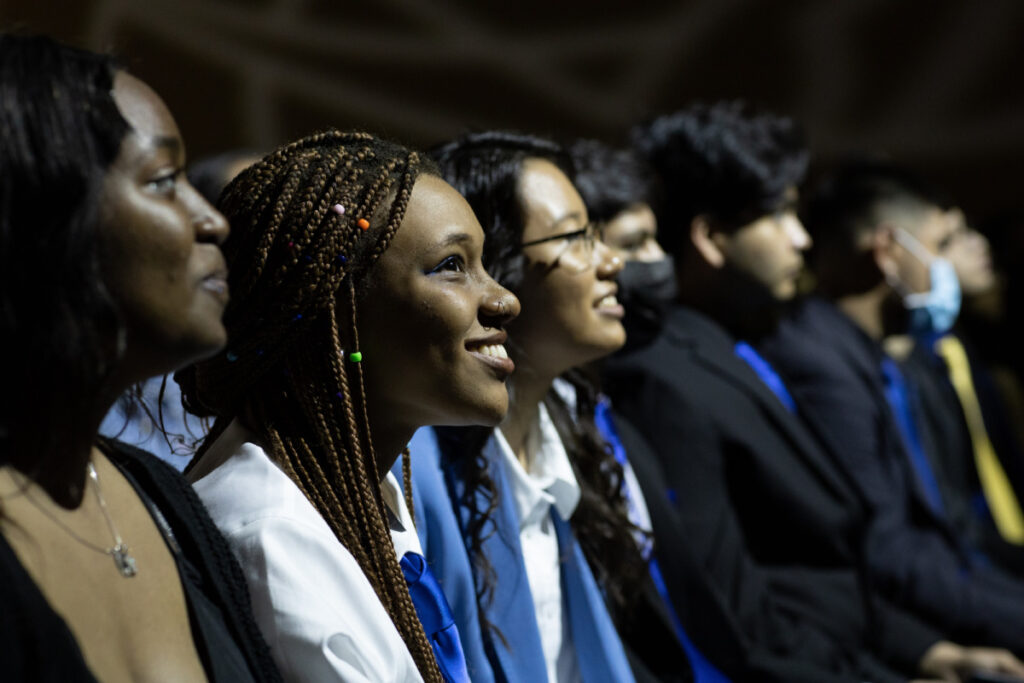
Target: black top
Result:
[[916, 557], [946, 437], [770, 521], [36, 644]]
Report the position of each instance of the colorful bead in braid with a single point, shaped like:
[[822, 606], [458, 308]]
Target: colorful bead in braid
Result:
[[307, 222]]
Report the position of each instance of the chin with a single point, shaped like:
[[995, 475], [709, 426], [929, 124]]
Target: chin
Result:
[[203, 346], [485, 411]]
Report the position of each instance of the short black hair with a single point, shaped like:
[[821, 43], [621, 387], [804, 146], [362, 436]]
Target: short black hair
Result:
[[855, 195], [61, 131], [610, 180], [725, 161]]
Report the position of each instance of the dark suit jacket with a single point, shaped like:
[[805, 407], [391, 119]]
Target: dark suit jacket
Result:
[[948, 439], [775, 527], [915, 556]]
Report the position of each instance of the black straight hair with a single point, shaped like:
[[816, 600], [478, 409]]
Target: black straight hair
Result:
[[61, 130]]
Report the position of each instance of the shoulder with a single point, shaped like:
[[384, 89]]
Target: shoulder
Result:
[[314, 605], [249, 486]]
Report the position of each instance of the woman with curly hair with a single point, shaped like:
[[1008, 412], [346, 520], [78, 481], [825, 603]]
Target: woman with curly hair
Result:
[[541, 533]]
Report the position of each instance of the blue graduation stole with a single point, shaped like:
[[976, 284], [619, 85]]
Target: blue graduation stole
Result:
[[897, 394], [703, 670], [766, 372], [599, 650], [436, 616]]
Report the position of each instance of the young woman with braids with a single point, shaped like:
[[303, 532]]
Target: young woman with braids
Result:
[[110, 272], [528, 523], [360, 311]]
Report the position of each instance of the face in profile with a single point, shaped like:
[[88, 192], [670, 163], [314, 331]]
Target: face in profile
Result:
[[159, 242], [769, 251], [570, 312], [969, 252], [431, 322], [936, 233], [633, 233]]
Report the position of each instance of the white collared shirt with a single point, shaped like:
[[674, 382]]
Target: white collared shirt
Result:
[[315, 607], [547, 482]]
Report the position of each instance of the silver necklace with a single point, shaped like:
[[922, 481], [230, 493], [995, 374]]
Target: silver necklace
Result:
[[123, 559]]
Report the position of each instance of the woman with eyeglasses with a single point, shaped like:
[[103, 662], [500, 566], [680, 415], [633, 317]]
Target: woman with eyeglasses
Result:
[[527, 523]]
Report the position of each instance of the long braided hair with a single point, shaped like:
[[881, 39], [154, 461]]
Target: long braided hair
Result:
[[307, 222]]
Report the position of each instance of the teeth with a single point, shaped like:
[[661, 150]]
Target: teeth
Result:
[[495, 350], [609, 300]]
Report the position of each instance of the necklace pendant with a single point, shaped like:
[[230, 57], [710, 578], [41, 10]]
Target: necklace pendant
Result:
[[124, 562]]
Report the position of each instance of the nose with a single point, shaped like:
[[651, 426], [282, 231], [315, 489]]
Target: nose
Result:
[[609, 262], [498, 307], [210, 224], [796, 232]]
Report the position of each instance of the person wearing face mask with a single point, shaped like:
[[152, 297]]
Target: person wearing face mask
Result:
[[878, 259], [618, 189], [960, 411], [753, 492]]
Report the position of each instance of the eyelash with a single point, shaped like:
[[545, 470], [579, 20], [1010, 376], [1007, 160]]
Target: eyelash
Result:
[[165, 183], [447, 263]]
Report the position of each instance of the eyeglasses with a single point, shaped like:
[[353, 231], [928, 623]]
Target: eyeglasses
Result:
[[579, 250]]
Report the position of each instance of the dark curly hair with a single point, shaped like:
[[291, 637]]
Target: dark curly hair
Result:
[[485, 168], [297, 270], [61, 131], [724, 161], [610, 180]]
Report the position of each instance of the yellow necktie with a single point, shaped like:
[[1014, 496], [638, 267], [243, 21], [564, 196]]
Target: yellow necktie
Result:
[[1002, 502]]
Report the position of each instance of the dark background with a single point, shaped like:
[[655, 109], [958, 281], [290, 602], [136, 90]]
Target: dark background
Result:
[[937, 85]]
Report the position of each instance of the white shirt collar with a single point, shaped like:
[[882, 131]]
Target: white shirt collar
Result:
[[403, 531], [549, 480]]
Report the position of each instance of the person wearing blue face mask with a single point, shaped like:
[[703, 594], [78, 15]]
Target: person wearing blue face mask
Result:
[[931, 312], [961, 410], [879, 240]]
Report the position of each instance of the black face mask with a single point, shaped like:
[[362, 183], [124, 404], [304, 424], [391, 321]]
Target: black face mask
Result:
[[646, 290]]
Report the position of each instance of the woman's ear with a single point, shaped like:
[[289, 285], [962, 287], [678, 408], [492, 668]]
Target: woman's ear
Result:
[[710, 243]]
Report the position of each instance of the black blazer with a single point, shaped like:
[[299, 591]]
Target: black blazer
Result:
[[945, 433], [774, 526], [915, 556]]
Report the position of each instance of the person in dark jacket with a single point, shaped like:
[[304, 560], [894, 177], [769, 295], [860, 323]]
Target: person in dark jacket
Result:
[[777, 526], [879, 234]]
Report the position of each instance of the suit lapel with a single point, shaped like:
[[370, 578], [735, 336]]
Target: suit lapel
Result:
[[712, 347], [851, 343]]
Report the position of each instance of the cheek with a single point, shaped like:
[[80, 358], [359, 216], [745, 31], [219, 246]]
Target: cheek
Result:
[[555, 314], [424, 329]]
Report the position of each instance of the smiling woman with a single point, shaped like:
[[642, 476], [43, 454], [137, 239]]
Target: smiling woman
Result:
[[536, 506], [110, 272], [360, 311]]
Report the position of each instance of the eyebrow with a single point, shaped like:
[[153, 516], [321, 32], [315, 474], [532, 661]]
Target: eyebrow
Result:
[[171, 142], [575, 215], [456, 238]]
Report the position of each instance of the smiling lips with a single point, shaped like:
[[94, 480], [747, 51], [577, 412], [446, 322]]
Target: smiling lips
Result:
[[492, 353], [610, 306], [216, 283]]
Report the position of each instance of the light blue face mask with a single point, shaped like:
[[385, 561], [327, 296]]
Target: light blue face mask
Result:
[[932, 312]]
